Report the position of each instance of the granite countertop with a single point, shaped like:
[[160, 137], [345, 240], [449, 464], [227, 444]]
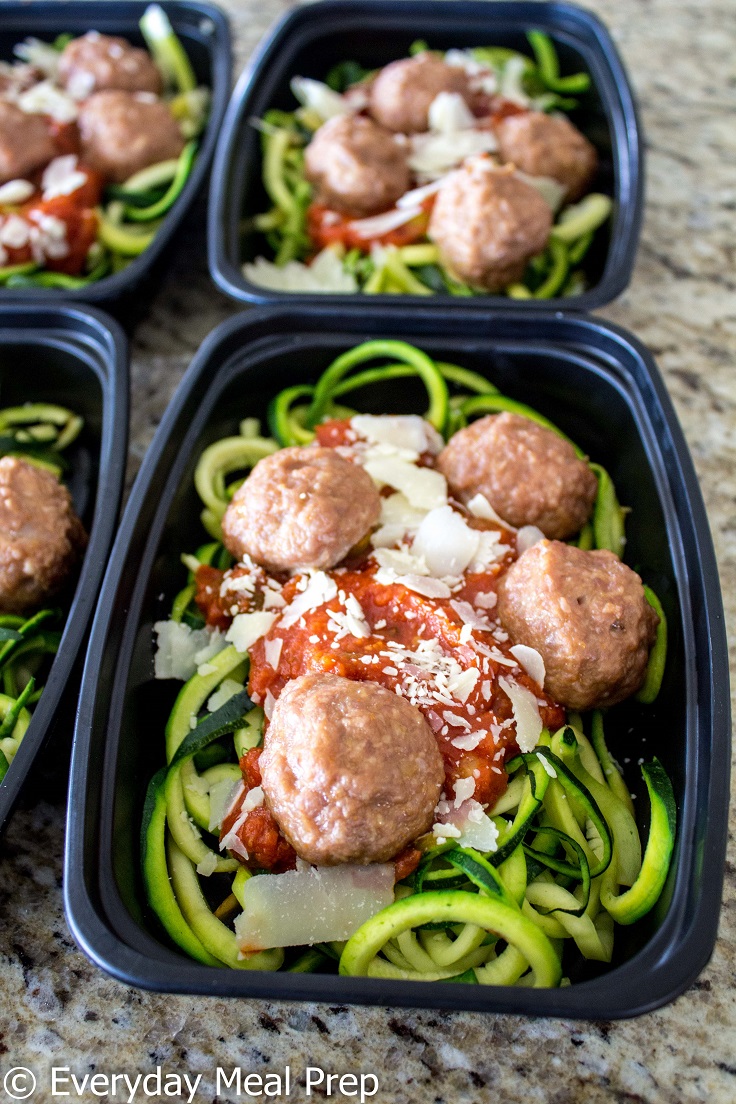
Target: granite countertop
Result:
[[57, 1009]]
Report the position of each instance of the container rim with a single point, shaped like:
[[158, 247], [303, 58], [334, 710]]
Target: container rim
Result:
[[32, 18], [607, 70], [91, 336], [691, 931]]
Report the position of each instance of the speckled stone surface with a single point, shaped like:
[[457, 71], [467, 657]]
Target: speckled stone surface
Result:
[[57, 1009]]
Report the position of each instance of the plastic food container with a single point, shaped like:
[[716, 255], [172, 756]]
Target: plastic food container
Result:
[[75, 357], [601, 387], [205, 33], [311, 39]]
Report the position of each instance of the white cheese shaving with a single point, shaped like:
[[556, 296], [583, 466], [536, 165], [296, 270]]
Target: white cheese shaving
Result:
[[448, 113], [249, 627], [45, 98], [272, 649], [208, 865], [446, 542], [319, 590], [405, 431], [384, 223], [464, 789], [177, 648], [547, 765], [527, 537], [423, 487], [16, 191], [398, 520], [526, 714], [480, 507], [62, 177], [531, 661], [461, 686], [223, 796], [227, 689], [322, 99], [312, 905], [324, 275]]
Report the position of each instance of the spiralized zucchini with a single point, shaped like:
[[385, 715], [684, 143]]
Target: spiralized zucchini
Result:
[[568, 863]]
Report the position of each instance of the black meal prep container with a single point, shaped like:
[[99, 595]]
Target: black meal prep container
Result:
[[601, 386], [205, 33], [313, 38], [76, 357]]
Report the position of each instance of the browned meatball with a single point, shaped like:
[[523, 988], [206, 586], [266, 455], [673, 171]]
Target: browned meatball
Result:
[[548, 145], [25, 143], [97, 62], [351, 772], [41, 537], [357, 166], [301, 507], [488, 223], [587, 615], [402, 93], [529, 474], [123, 132]]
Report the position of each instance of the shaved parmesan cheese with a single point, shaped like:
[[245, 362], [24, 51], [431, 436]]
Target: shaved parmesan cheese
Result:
[[249, 627], [406, 431], [316, 905], [446, 542], [547, 765], [433, 155], [384, 223], [490, 550], [443, 832], [417, 195], [448, 113], [319, 590], [461, 686], [45, 98], [423, 487], [269, 704], [324, 275], [178, 647], [477, 829], [398, 520], [550, 189], [430, 588], [208, 865], [401, 561], [486, 599], [253, 799], [272, 650], [526, 714], [480, 507], [470, 616], [527, 537], [227, 689], [321, 98], [531, 661], [468, 742], [16, 191], [464, 788], [222, 798], [62, 177]]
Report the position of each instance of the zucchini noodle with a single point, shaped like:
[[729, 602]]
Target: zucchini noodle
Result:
[[567, 865]]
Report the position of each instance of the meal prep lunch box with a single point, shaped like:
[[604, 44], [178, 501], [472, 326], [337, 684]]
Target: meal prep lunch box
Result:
[[602, 388], [77, 358], [312, 39], [204, 31]]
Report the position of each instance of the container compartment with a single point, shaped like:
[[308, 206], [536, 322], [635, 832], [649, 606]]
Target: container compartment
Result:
[[603, 389], [204, 31], [311, 39], [77, 358]]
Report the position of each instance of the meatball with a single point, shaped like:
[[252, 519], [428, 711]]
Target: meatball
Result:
[[402, 93], [301, 507], [351, 772], [41, 537], [587, 615], [529, 474], [25, 142], [548, 145], [488, 223], [97, 62], [123, 132], [357, 166]]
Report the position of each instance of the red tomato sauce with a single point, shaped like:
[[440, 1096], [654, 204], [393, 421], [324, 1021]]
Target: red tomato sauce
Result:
[[325, 227]]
